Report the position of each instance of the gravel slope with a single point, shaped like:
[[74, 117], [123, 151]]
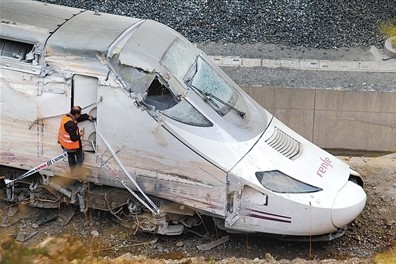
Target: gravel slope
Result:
[[318, 24]]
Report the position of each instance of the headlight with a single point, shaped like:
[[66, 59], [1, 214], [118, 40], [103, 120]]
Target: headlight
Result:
[[279, 182]]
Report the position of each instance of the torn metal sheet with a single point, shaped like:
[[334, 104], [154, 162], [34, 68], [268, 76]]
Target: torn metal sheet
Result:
[[16, 213], [24, 236], [209, 246], [66, 214], [46, 215]]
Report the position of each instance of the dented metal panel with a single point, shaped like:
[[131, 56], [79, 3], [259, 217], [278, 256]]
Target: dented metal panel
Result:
[[147, 45], [97, 34]]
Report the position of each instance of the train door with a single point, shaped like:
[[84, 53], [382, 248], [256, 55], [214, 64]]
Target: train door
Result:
[[85, 94]]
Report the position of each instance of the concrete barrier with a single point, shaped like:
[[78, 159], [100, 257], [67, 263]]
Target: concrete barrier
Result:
[[334, 119]]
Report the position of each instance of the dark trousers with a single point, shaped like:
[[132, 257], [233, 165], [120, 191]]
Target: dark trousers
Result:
[[75, 158]]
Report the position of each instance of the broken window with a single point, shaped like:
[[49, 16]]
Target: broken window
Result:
[[187, 114], [145, 85], [159, 96], [155, 93], [213, 87], [16, 50]]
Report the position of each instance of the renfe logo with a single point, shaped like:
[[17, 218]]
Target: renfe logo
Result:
[[326, 163]]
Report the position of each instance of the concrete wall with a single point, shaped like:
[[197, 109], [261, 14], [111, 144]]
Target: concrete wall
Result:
[[334, 119]]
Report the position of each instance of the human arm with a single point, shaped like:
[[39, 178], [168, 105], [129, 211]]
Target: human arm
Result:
[[84, 117], [71, 128]]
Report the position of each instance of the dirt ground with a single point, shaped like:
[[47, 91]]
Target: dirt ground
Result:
[[95, 238]]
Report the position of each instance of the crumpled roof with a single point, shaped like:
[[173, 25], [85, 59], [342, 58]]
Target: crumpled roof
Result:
[[147, 45], [87, 34]]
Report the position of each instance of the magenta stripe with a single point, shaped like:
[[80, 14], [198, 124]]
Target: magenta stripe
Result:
[[269, 218], [260, 212]]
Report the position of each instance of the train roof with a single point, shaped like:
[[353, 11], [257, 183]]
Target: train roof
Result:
[[32, 22], [64, 35]]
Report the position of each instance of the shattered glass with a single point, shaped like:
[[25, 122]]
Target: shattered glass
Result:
[[211, 83], [178, 59], [187, 114]]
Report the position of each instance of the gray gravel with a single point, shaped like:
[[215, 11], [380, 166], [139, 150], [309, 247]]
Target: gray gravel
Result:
[[318, 24]]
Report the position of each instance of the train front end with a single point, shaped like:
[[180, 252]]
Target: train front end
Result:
[[288, 186]]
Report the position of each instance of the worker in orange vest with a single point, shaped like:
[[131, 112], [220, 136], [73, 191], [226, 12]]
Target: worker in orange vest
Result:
[[69, 136]]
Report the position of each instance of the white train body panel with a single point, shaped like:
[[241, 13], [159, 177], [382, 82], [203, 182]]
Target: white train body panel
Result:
[[156, 99]]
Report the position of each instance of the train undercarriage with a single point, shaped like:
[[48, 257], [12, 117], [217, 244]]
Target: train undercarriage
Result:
[[41, 191]]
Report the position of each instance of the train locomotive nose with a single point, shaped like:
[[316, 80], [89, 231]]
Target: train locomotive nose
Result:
[[348, 204]]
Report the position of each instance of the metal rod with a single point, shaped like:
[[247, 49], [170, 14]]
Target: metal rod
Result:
[[104, 163], [156, 209], [39, 167]]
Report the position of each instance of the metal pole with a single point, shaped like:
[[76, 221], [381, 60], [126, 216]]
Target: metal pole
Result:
[[39, 168], [156, 209]]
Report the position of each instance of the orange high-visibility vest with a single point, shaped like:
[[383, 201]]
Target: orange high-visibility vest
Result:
[[64, 137]]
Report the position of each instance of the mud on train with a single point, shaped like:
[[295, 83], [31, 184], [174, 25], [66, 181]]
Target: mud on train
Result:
[[174, 136]]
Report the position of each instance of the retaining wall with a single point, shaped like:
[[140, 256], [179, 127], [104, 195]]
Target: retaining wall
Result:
[[334, 119]]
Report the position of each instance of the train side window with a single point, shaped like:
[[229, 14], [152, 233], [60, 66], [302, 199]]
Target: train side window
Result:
[[185, 113], [16, 50]]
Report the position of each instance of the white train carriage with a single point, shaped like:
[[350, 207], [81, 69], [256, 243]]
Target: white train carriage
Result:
[[174, 136]]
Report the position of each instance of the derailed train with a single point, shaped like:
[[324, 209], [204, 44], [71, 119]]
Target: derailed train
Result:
[[174, 136]]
